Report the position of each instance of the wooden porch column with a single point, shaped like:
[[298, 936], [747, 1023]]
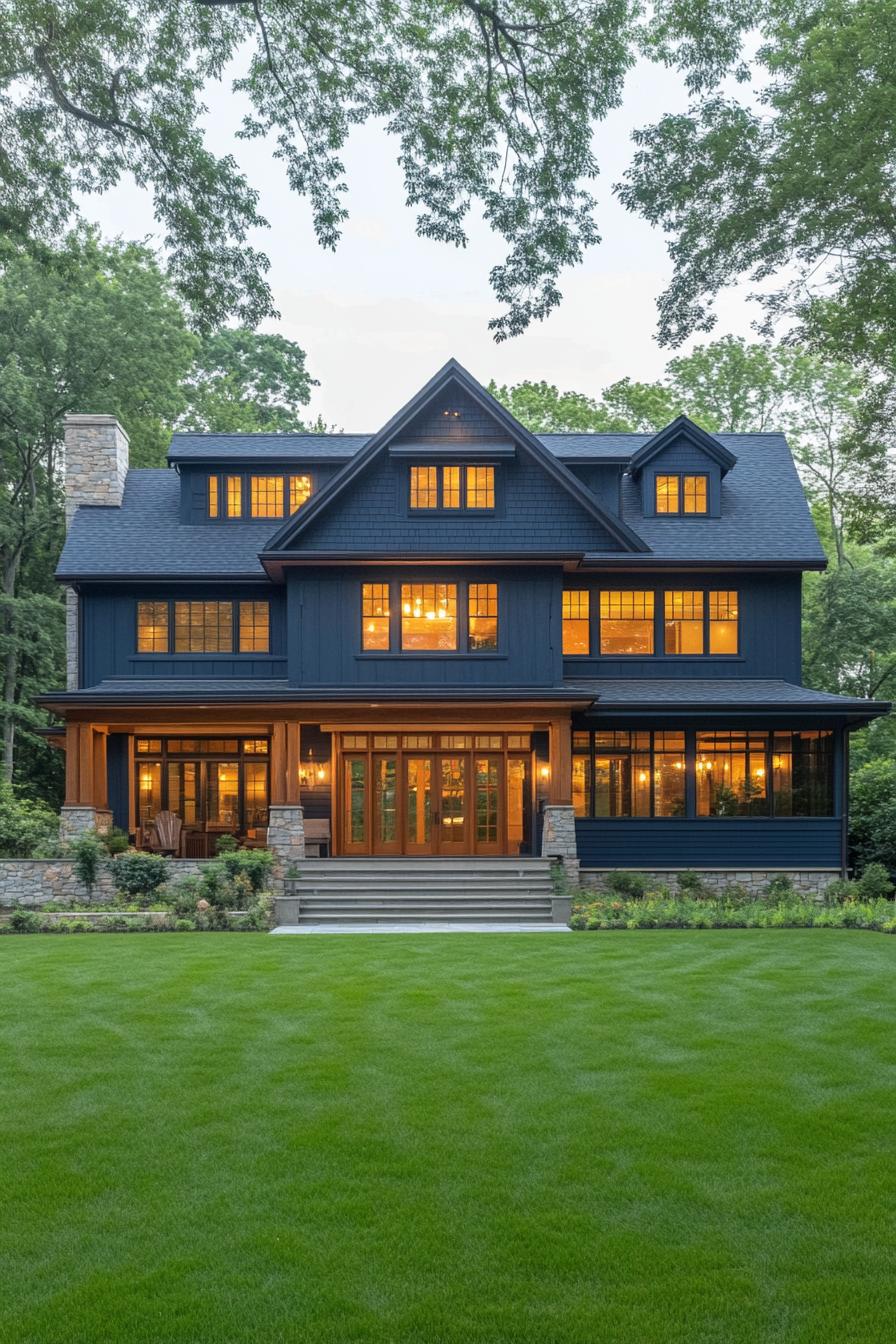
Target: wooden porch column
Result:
[[560, 748], [293, 756], [85, 764], [278, 764], [100, 770], [72, 738]]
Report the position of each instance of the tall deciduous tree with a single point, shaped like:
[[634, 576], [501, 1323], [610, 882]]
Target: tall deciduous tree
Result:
[[491, 102], [85, 326], [245, 382]]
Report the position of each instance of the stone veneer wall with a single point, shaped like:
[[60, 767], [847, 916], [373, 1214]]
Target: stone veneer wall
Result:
[[808, 882], [34, 882]]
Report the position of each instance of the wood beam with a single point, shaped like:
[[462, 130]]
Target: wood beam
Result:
[[72, 741], [293, 757], [560, 742], [100, 770], [278, 763], [85, 765]]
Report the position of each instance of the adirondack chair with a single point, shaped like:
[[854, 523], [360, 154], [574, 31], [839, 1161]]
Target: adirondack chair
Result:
[[164, 837]]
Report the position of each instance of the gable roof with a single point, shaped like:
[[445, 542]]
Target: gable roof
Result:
[[454, 373], [682, 427], [201, 448]]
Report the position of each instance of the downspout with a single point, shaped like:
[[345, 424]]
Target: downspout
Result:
[[844, 803]]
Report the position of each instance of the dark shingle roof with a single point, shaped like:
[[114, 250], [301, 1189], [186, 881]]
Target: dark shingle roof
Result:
[[234, 688], [146, 537], [201, 447], [728, 692]]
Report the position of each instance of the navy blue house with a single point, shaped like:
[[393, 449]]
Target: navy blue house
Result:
[[453, 637]]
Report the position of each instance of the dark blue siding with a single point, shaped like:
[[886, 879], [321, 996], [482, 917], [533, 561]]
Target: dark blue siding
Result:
[[770, 646], [324, 623], [710, 842], [534, 513], [109, 635], [603, 480], [117, 774]]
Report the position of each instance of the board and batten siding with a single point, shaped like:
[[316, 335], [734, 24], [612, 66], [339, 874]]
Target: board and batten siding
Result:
[[709, 842]]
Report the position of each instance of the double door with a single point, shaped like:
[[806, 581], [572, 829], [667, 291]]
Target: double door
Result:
[[465, 802]]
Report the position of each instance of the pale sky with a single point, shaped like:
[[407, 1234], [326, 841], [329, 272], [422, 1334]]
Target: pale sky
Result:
[[383, 312]]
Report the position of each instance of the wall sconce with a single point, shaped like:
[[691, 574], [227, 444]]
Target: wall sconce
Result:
[[312, 773], [544, 773]]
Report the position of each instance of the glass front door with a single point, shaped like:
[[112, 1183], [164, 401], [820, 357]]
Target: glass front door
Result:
[[454, 805]]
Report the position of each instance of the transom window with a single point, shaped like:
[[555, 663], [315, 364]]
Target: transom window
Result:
[[576, 621], [204, 627], [452, 487], [626, 622], [429, 617], [681, 493]]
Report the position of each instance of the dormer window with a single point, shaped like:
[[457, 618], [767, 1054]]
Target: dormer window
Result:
[[679, 493], [452, 487], [266, 496]]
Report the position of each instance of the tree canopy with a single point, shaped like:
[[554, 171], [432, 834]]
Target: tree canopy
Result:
[[245, 382]]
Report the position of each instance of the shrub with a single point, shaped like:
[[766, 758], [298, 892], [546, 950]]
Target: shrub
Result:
[[255, 864], [182, 897], [840, 890], [138, 874], [24, 921], [227, 844], [872, 814], [693, 885], [116, 840], [183, 925], [874, 884], [624, 883], [88, 853], [780, 888], [27, 827]]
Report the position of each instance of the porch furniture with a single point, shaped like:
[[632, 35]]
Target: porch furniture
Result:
[[195, 845], [164, 838], [317, 836]]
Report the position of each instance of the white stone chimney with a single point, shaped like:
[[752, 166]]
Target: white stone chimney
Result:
[[96, 466]]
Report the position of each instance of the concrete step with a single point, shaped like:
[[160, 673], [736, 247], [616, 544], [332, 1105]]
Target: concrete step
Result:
[[466, 887], [449, 907], [409, 917]]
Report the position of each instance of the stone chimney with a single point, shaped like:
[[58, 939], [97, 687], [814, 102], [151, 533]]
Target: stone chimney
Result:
[[96, 466]]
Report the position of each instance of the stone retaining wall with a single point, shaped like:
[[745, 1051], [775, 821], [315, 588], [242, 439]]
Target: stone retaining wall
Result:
[[808, 882], [34, 882]]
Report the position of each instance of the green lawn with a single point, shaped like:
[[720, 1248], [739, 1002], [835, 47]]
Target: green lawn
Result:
[[625, 1137]]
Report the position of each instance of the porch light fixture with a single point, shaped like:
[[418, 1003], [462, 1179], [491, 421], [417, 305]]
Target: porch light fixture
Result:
[[545, 772], [312, 772]]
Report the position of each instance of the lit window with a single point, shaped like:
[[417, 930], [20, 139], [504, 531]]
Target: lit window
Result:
[[234, 496], [299, 492], [732, 774], [374, 616], [667, 494], [684, 622], [628, 774], [152, 627], [266, 496], [695, 494], [255, 622], [723, 622], [429, 616], [621, 769], [203, 627], [451, 487], [483, 616], [576, 621], [212, 496], [424, 488], [480, 487], [626, 623]]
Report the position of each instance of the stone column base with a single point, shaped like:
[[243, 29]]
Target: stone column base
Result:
[[558, 838], [286, 840], [74, 821]]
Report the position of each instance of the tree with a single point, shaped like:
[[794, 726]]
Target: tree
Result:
[[849, 636], [794, 176], [246, 382], [872, 815], [83, 326], [545, 410], [639, 407], [491, 102]]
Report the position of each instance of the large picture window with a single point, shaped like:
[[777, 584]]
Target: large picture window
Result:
[[429, 617], [626, 623], [621, 773]]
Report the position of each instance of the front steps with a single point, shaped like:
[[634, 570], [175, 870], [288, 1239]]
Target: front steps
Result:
[[423, 892]]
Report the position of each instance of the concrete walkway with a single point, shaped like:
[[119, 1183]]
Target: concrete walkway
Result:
[[428, 927]]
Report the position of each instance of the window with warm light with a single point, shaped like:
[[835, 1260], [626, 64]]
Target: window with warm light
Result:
[[576, 615], [621, 773], [626, 623], [152, 627], [482, 609], [255, 627], [429, 617], [212, 496], [683, 622], [375, 616], [451, 487], [667, 494], [732, 774], [723, 622], [299, 492], [234, 496], [424, 487], [203, 627], [266, 496], [480, 487], [695, 494]]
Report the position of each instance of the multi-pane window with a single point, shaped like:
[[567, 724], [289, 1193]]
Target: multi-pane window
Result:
[[374, 615], [480, 487], [732, 774], [684, 622], [803, 773], [626, 622], [723, 614], [482, 616], [628, 774], [203, 627], [576, 621], [667, 494], [255, 627], [152, 627], [234, 496], [299, 492], [452, 487], [266, 496], [424, 487], [212, 496], [429, 616], [679, 493]]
